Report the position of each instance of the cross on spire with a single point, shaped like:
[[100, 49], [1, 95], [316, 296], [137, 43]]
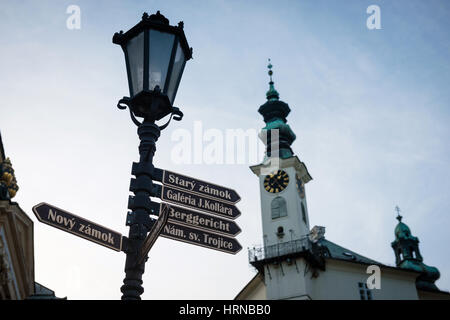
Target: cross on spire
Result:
[[399, 217]]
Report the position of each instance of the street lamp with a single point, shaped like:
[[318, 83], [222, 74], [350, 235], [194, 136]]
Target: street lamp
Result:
[[155, 56]]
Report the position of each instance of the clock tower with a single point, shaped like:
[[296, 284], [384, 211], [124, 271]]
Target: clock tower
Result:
[[282, 176], [287, 254], [295, 262]]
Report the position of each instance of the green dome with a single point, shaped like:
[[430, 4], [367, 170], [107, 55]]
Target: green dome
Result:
[[407, 256], [285, 129], [402, 231]]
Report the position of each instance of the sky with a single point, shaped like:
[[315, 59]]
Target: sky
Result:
[[370, 108]]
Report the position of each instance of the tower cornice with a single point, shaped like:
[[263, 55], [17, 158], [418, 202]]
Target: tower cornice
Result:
[[281, 163]]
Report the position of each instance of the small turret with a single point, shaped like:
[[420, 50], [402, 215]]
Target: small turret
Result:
[[407, 255]]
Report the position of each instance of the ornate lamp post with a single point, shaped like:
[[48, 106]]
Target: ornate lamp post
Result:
[[155, 56]]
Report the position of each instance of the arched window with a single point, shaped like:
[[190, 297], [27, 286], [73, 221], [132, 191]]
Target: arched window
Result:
[[278, 207], [400, 255], [303, 213]]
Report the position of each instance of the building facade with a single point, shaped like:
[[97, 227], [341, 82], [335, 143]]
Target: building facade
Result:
[[296, 262], [16, 242]]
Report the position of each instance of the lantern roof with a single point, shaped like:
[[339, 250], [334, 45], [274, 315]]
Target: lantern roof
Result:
[[157, 22]]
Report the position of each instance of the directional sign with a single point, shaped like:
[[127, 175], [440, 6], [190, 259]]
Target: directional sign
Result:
[[200, 238], [78, 226], [199, 220], [154, 232], [195, 201], [203, 188]]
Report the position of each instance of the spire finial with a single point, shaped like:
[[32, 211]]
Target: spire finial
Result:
[[399, 217], [272, 94], [269, 66]]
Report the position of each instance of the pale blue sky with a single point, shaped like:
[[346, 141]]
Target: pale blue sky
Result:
[[370, 109]]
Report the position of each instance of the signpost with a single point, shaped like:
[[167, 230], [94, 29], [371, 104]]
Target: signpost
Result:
[[200, 187], [195, 201], [198, 220], [201, 238], [78, 226], [210, 228], [154, 232]]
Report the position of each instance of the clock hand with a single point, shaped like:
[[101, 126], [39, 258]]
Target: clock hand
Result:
[[281, 187]]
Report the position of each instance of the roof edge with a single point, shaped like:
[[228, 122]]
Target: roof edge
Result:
[[2, 151], [258, 276]]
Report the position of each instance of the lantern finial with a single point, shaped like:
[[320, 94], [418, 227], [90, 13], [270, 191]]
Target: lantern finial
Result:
[[156, 17]]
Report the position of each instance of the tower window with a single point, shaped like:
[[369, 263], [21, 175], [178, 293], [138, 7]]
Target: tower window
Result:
[[413, 255], [278, 208], [280, 232], [399, 255]]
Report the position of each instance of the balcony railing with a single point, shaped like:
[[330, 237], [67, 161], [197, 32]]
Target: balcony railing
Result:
[[279, 250]]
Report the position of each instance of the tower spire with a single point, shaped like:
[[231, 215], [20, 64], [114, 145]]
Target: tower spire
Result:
[[272, 94], [276, 133]]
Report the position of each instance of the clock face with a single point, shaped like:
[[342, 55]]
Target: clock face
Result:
[[300, 187], [276, 182]]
